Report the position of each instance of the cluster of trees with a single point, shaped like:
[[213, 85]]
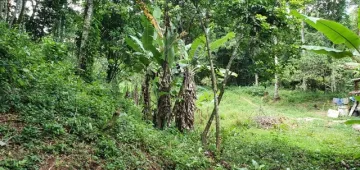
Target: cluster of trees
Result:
[[167, 46]]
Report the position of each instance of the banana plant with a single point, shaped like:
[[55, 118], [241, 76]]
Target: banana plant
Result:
[[157, 49], [337, 34], [150, 58], [191, 54]]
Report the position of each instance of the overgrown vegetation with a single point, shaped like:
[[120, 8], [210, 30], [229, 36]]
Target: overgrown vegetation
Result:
[[135, 85], [53, 118]]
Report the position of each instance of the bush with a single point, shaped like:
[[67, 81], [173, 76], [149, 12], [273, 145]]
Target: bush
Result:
[[53, 51]]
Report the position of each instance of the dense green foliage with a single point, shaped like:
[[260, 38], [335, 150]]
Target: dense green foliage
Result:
[[94, 84], [53, 112]]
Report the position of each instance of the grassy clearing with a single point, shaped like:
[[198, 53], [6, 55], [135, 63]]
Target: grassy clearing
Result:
[[302, 137]]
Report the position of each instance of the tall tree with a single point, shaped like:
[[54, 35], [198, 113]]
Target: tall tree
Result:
[[214, 84], [22, 11], [205, 133], [15, 12], [277, 81], [83, 58], [304, 79], [2, 7]]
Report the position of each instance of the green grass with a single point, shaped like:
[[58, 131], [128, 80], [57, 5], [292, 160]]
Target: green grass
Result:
[[305, 130]]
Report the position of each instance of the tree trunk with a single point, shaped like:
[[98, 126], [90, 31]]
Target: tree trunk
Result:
[[205, 133], [303, 34], [256, 79], [82, 57], [2, 6], [304, 83], [13, 17], [34, 9], [214, 87], [277, 83], [6, 10], [63, 24], [58, 30], [304, 79], [136, 95], [185, 107], [22, 10], [333, 79], [324, 82], [145, 90]]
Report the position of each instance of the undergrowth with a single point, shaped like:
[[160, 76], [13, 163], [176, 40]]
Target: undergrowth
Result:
[[51, 118]]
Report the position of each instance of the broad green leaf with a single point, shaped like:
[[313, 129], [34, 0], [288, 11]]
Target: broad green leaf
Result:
[[138, 42], [337, 33], [147, 36], [198, 42], [170, 41], [328, 51], [157, 13], [148, 39], [156, 54], [221, 42], [133, 44], [352, 122], [156, 20]]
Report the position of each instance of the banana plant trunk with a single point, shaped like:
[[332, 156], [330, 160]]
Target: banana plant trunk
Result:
[[184, 108], [164, 101]]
